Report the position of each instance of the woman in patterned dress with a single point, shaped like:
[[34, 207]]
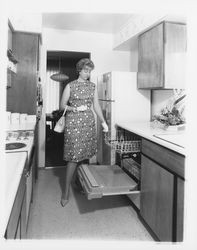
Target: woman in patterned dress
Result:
[[80, 131]]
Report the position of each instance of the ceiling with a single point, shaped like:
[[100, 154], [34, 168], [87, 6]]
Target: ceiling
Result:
[[68, 55], [90, 22]]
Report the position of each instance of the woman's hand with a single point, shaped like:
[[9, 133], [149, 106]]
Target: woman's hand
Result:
[[82, 108], [105, 127]]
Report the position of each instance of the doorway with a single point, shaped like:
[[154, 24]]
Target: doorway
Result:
[[64, 62]]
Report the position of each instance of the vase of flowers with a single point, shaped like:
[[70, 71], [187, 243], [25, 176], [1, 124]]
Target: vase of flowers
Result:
[[172, 116]]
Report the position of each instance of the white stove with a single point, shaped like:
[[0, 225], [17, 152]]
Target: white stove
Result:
[[19, 141]]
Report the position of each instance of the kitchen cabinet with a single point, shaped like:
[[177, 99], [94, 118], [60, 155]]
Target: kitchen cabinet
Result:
[[157, 198], [22, 95], [162, 57], [162, 191]]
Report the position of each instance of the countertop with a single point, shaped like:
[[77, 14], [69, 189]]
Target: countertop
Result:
[[146, 130], [15, 163]]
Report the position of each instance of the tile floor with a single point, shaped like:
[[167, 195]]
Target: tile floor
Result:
[[108, 218]]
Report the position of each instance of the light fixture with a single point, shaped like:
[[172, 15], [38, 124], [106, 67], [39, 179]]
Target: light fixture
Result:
[[59, 77]]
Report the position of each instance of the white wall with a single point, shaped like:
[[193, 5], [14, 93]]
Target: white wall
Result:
[[134, 60], [27, 22], [160, 99], [134, 26], [98, 44]]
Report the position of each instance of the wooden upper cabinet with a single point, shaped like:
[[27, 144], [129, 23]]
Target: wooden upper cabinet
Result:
[[151, 58], [162, 54], [21, 97]]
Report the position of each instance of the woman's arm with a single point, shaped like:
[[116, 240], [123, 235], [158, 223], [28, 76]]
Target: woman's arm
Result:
[[97, 107], [98, 111], [65, 98]]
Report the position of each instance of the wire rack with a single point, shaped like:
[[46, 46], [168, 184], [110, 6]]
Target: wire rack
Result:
[[132, 167], [122, 144]]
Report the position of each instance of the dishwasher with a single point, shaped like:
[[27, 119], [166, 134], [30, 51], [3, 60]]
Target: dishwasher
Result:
[[119, 179]]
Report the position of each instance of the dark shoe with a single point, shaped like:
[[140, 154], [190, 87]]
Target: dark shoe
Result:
[[63, 202]]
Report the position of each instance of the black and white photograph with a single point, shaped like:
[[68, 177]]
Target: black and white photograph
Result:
[[96, 114]]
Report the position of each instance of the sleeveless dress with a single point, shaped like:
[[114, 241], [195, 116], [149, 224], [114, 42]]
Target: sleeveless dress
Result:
[[80, 130]]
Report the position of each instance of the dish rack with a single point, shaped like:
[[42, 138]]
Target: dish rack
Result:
[[127, 148], [122, 144]]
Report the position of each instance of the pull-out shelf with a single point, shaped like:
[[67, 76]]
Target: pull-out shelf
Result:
[[104, 180]]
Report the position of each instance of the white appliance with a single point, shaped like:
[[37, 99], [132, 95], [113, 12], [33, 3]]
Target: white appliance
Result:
[[19, 141], [120, 101], [23, 141]]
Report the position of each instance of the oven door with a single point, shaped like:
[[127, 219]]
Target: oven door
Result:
[[105, 180]]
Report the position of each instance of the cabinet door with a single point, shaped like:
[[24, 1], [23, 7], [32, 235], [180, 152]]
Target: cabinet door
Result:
[[21, 97], [105, 180], [175, 55], [151, 58], [156, 200]]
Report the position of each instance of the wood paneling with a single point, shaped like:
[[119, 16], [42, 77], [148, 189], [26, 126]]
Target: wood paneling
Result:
[[167, 158], [21, 97], [156, 200], [151, 58]]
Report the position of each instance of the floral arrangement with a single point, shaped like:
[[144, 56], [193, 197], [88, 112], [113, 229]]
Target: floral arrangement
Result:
[[173, 113]]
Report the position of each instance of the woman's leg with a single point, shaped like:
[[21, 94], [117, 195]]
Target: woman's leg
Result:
[[70, 169]]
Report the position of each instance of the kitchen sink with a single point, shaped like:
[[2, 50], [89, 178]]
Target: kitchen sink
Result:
[[15, 145]]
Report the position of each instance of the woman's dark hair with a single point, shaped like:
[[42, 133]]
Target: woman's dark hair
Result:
[[84, 62]]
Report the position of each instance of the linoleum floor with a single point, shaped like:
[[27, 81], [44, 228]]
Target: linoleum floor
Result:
[[108, 218]]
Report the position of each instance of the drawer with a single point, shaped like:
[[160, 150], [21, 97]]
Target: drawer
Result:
[[167, 158]]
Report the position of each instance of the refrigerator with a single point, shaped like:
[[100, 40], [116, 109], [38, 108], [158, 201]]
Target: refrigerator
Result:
[[120, 101]]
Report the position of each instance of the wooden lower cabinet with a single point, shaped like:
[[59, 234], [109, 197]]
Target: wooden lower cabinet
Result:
[[162, 191], [156, 206]]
